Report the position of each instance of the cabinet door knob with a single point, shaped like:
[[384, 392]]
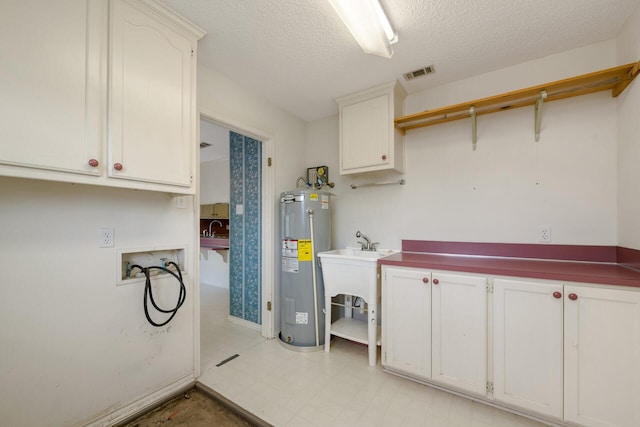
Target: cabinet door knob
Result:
[[557, 294], [573, 297], [425, 280], [117, 166], [384, 157], [93, 163], [436, 281]]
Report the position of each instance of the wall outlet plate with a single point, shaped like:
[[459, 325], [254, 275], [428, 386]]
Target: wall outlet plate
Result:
[[106, 237], [181, 203]]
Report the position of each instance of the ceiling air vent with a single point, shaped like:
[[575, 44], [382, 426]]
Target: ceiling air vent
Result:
[[419, 73], [204, 144]]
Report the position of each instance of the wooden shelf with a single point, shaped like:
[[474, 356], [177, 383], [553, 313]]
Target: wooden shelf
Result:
[[616, 79]]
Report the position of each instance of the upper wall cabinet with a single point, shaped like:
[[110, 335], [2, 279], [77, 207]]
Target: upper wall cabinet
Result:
[[54, 101], [50, 91], [151, 99], [368, 139]]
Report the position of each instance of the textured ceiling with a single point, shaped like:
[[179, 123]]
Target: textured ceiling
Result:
[[299, 55]]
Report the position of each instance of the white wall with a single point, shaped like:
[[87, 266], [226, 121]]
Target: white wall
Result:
[[214, 181], [629, 140], [221, 98], [73, 343], [507, 188], [214, 268]]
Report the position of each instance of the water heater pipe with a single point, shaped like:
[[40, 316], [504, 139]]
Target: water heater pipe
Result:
[[313, 271]]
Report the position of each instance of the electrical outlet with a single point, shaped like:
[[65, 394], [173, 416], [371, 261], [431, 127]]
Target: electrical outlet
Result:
[[106, 237], [181, 203], [544, 234]]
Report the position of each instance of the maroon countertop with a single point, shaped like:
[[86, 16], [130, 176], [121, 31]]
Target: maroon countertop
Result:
[[606, 273], [214, 243]]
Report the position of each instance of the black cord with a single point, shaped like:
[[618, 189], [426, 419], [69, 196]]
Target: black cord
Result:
[[147, 291]]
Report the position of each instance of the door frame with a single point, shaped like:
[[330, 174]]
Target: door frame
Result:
[[268, 225]]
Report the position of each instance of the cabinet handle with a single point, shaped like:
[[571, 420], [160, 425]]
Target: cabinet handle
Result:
[[573, 297], [117, 166], [557, 294], [425, 280], [384, 157], [93, 163], [436, 281]]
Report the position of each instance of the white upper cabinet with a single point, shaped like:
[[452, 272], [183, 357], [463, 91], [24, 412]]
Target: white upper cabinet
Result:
[[60, 83], [151, 133], [51, 54], [368, 139], [527, 345], [459, 331], [602, 356]]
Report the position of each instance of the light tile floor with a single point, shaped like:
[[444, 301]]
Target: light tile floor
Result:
[[289, 388]]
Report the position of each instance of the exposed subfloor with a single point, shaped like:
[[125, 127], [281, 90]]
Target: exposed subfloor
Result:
[[193, 409]]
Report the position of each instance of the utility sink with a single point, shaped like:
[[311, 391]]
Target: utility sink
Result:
[[357, 254], [352, 271], [356, 272]]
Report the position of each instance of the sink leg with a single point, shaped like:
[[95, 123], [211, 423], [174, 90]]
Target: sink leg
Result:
[[372, 330], [327, 323]]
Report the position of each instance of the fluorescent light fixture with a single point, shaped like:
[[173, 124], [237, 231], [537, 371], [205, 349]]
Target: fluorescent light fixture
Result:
[[368, 24]]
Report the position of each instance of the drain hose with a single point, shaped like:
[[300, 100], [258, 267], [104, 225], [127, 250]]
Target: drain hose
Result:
[[148, 293]]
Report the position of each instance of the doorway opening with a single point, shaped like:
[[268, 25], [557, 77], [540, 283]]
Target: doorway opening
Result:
[[236, 281]]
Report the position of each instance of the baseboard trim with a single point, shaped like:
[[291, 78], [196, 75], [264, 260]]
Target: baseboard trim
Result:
[[129, 411], [245, 323]]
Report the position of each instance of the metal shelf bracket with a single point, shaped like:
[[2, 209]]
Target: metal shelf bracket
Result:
[[371, 184], [538, 119], [474, 126]]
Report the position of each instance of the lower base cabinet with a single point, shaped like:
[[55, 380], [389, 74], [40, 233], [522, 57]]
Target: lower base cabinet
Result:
[[406, 326], [527, 345], [563, 352], [459, 332], [602, 356], [435, 327]]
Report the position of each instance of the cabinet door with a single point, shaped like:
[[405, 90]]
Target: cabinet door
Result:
[[406, 320], [459, 331], [527, 345], [221, 210], [364, 128], [150, 105], [50, 89], [602, 356]]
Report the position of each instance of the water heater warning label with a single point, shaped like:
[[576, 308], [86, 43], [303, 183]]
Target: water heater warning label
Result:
[[295, 250], [304, 250], [290, 248], [302, 318], [290, 265], [290, 256]]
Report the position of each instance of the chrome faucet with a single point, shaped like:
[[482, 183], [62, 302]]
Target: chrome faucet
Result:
[[211, 234], [366, 245]]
